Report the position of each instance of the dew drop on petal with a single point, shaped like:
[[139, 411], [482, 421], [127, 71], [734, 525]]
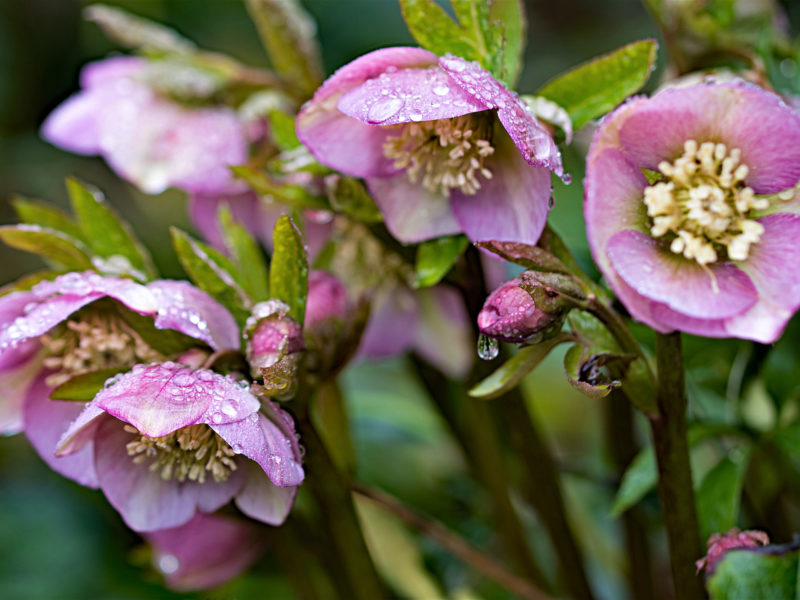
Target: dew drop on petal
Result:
[[441, 90], [383, 109], [488, 348], [168, 564], [237, 448], [217, 418]]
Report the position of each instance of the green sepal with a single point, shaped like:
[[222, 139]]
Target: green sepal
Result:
[[436, 257], [434, 30], [46, 215], [594, 374], [510, 25], [288, 273], [137, 33], [56, 247], [246, 255]]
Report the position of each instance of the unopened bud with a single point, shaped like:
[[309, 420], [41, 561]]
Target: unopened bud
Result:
[[327, 300], [721, 543], [273, 346], [520, 309]]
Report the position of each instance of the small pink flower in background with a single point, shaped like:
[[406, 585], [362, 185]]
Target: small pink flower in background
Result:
[[721, 543], [710, 247], [442, 145], [205, 552], [170, 442]]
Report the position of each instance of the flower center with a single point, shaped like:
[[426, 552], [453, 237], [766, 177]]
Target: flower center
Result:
[[96, 339], [443, 154], [185, 454], [704, 205]]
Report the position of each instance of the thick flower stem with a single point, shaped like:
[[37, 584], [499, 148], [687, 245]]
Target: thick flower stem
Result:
[[675, 488], [332, 493]]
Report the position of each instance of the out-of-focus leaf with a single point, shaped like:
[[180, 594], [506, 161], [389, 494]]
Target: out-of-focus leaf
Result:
[[585, 370], [719, 495], [328, 413], [289, 35], [515, 369], [85, 386], [137, 33], [525, 255], [282, 129], [509, 20], [596, 87], [747, 575], [433, 28], [350, 196], [295, 196], [396, 554], [213, 273], [246, 256], [105, 232], [46, 215], [54, 246], [288, 273], [436, 257], [639, 478]]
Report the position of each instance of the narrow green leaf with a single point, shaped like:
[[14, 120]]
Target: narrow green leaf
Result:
[[137, 33], [598, 86], [719, 495], [350, 196], [436, 257], [282, 130], [747, 575], [639, 478], [54, 246], [46, 215], [515, 369], [329, 415], [288, 33], [212, 272], [434, 30], [509, 21], [105, 232], [295, 196], [525, 255], [246, 255], [85, 386], [288, 273]]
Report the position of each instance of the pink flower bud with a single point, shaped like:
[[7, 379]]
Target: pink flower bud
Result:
[[327, 299], [721, 543], [272, 334], [519, 309]]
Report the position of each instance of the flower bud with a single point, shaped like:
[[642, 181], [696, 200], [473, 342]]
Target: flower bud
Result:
[[273, 346], [520, 309], [327, 300], [721, 543]]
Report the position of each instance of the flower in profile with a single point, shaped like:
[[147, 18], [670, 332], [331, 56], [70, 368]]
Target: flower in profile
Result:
[[691, 212], [443, 146], [170, 442], [721, 543]]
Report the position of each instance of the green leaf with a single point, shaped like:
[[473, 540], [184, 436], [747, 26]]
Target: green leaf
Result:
[[212, 272], [747, 575], [295, 196], [719, 495], [598, 86], [639, 478], [253, 272], [525, 255], [436, 257], [350, 196], [46, 215], [515, 369], [585, 374], [54, 246], [288, 33], [137, 33], [509, 21], [288, 273], [105, 232], [434, 30], [329, 415], [282, 130], [85, 386]]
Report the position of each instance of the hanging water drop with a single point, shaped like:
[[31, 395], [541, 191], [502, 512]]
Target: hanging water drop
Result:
[[488, 348]]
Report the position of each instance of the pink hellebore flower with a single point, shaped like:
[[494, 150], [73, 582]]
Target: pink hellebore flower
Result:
[[422, 132], [33, 359], [148, 139], [170, 442], [720, 544], [709, 244]]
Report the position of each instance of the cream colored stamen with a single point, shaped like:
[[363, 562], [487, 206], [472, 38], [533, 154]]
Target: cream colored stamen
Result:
[[94, 339], [704, 204], [443, 154], [188, 453]]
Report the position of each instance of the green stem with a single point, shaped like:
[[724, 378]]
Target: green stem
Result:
[[669, 429]]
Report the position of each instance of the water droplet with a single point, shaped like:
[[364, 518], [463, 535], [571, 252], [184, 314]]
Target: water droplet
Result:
[[205, 376], [488, 348], [415, 116], [168, 564], [183, 380], [229, 409], [237, 448], [551, 202], [441, 90], [383, 109], [217, 418]]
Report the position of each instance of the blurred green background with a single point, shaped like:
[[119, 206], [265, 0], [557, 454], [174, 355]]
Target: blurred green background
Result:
[[61, 541]]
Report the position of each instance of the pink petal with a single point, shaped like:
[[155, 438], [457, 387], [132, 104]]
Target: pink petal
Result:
[[531, 138], [673, 320], [187, 309], [73, 124], [204, 210], [81, 431], [393, 324], [205, 552], [406, 95], [18, 369], [444, 337], [262, 500], [110, 71], [145, 500], [512, 205], [131, 294], [327, 299], [45, 422], [681, 284], [412, 213]]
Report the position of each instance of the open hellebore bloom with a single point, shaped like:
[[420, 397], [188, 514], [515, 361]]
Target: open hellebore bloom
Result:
[[148, 139], [442, 145], [76, 324], [170, 441], [689, 209]]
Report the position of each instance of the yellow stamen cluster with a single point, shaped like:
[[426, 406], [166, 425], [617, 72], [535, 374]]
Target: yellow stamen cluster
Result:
[[443, 154], [705, 204], [188, 453], [96, 339]]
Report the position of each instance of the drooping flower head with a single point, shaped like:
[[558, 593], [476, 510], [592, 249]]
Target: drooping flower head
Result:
[[442, 145], [689, 209]]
